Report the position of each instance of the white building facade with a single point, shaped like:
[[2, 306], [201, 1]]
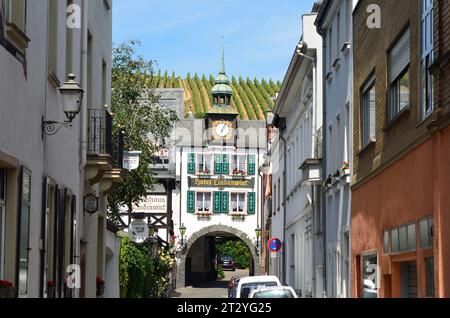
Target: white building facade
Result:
[[296, 168], [334, 23], [45, 177], [218, 191]]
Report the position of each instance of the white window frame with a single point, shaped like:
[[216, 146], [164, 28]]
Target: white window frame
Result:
[[210, 201], [239, 157], [202, 159], [426, 57], [238, 193]]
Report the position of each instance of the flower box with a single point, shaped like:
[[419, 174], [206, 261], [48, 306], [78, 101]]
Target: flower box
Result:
[[100, 287], [7, 290]]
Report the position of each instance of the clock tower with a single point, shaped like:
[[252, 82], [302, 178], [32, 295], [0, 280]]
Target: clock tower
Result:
[[222, 118]]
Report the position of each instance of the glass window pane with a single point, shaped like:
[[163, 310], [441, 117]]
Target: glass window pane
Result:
[[412, 237], [424, 234], [403, 239], [429, 276], [370, 279], [404, 91], [386, 242], [395, 241]]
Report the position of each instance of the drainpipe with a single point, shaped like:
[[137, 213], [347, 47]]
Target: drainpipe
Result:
[[84, 81], [324, 162], [284, 208]]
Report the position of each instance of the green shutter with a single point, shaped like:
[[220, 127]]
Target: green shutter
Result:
[[191, 163], [218, 164], [251, 203], [217, 202], [251, 165], [191, 201], [225, 202], [225, 165]]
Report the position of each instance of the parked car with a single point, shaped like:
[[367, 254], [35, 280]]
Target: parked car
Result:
[[232, 285], [247, 284], [274, 292], [227, 262]]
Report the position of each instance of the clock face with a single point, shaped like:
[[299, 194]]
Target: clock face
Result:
[[223, 129]]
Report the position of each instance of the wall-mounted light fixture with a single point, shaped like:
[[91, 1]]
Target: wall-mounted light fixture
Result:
[[72, 96], [182, 233]]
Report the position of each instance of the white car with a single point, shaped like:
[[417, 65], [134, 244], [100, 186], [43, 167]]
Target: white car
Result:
[[274, 292], [248, 284]]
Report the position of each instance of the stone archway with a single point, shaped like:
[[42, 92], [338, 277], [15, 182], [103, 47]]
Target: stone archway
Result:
[[181, 262]]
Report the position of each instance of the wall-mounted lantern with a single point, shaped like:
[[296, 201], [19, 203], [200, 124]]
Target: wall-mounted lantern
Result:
[[72, 96]]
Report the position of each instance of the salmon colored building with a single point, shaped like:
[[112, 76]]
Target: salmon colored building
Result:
[[401, 182]]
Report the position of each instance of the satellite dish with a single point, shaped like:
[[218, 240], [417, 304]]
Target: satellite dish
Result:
[[138, 231]]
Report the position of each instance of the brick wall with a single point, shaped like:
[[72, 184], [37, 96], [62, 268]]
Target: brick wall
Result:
[[371, 49]]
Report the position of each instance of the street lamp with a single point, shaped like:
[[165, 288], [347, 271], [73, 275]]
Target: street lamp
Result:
[[258, 232], [72, 96], [182, 232]]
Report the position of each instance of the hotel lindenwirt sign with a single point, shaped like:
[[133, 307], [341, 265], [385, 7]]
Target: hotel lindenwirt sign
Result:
[[222, 183]]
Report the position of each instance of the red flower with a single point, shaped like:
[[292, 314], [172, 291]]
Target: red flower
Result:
[[50, 283], [5, 284], [100, 281]]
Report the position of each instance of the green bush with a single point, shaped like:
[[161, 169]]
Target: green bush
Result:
[[220, 273], [238, 250]]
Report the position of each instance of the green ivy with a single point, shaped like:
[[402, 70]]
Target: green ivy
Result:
[[238, 250]]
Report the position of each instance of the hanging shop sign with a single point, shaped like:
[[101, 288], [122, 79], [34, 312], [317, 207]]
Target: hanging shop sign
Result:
[[138, 231], [90, 203], [131, 159]]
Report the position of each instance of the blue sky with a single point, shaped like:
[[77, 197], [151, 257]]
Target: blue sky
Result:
[[186, 35]]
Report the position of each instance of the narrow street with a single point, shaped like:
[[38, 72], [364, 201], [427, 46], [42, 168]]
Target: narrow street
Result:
[[218, 289]]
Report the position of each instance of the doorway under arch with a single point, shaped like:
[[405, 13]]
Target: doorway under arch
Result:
[[183, 265]]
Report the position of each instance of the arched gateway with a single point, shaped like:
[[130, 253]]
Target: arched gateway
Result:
[[215, 230]]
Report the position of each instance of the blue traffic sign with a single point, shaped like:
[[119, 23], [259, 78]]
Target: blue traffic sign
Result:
[[274, 244]]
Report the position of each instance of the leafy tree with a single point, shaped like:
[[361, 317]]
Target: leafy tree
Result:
[[138, 115], [236, 249]]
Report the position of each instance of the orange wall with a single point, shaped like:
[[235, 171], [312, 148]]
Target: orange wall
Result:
[[400, 194]]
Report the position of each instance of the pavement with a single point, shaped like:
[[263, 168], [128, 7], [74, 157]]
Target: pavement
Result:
[[218, 289]]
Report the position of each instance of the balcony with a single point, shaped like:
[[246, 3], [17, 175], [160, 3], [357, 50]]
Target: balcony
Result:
[[104, 151]]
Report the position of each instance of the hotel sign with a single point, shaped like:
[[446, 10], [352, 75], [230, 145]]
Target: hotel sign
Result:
[[222, 183]]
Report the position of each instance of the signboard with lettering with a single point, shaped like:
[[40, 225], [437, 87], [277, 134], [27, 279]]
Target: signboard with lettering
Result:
[[131, 160], [138, 231], [221, 183], [152, 204]]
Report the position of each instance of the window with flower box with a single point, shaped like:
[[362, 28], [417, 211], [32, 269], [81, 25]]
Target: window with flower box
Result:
[[238, 201], [239, 164], [204, 164], [203, 203]]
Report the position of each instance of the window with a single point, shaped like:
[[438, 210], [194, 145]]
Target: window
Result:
[[338, 33], [239, 164], [399, 60], [2, 218], [238, 202], [348, 17], [204, 164], [330, 48], [386, 242], [24, 231], [368, 113], [429, 277], [203, 202], [279, 194], [426, 233], [15, 12], [370, 276], [427, 57], [403, 238], [275, 201]]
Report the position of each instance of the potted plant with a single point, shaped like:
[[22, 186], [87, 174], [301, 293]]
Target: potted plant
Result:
[[100, 287], [6, 289], [50, 289]]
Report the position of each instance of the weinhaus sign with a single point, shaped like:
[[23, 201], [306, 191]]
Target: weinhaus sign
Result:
[[154, 204], [222, 183]]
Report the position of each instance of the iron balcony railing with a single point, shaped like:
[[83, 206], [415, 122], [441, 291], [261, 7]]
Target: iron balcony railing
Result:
[[100, 137]]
